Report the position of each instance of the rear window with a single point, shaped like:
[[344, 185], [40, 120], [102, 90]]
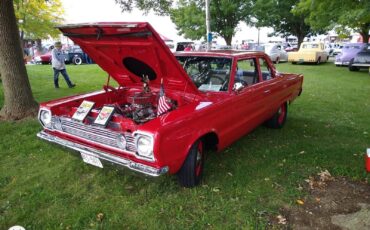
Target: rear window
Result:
[[310, 46]]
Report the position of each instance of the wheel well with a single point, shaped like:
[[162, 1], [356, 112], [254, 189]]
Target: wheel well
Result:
[[210, 141]]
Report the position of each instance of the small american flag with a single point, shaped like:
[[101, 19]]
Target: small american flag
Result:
[[163, 106]]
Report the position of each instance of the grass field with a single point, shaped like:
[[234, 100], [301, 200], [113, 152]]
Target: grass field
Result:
[[44, 187]]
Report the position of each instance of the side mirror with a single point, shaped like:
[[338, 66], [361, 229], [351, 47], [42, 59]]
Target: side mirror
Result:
[[238, 87]]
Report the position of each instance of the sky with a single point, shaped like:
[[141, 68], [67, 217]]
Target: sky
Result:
[[80, 11]]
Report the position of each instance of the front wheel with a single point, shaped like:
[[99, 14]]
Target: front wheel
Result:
[[352, 68], [277, 121], [77, 60], [191, 171]]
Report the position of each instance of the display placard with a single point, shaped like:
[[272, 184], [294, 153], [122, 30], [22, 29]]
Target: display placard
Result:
[[83, 110], [104, 115]]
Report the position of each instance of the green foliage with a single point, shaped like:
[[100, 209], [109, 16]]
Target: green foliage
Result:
[[278, 14], [338, 15], [189, 17], [37, 18], [46, 187], [161, 7]]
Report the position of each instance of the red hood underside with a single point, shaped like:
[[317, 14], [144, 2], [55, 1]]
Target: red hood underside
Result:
[[127, 51]]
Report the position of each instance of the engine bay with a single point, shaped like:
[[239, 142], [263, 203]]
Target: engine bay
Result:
[[141, 106]]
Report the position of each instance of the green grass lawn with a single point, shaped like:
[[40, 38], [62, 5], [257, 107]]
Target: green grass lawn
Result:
[[45, 187]]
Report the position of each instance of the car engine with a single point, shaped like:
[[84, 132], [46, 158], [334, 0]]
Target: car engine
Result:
[[141, 107]]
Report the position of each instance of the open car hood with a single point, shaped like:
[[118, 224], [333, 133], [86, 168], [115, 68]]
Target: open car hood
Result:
[[130, 50]]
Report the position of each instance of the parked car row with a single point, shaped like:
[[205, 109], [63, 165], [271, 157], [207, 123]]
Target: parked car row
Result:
[[353, 55], [73, 55]]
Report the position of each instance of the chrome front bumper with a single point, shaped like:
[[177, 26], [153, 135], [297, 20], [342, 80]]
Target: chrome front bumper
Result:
[[138, 167], [341, 63], [361, 65]]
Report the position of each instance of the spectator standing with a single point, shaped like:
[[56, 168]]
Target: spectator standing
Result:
[[57, 62]]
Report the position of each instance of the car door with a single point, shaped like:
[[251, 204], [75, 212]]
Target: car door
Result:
[[244, 109], [268, 93], [283, 56]]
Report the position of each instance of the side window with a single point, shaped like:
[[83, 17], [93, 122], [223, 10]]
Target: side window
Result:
[[265, 70], [246, 73]]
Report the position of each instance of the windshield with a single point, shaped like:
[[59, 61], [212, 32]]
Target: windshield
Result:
[[310, 46], [267, 48], [207, 73], [352, 47]]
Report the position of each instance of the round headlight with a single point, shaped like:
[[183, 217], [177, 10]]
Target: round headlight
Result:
[[45, 117], [145, 146], [121, 141]]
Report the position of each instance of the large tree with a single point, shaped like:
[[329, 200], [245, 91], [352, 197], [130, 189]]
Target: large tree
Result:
[[189, 15], [37, 18], [159, 6], [339, 15], [279, 15], [18, 99]]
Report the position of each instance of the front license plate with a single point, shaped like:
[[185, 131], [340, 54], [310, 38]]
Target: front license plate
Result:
[[89, 158]]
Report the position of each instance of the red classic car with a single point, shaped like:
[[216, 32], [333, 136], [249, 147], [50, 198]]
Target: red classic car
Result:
[[168, 108]]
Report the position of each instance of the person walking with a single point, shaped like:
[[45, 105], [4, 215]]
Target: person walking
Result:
[[57, 62]]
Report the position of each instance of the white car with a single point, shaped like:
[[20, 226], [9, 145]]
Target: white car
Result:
[[337, 49], [276, 52]]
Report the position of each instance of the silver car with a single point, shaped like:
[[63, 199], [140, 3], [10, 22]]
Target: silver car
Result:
[[275, 51]]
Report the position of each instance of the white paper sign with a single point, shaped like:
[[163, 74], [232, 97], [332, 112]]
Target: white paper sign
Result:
[[83, 110], [105, 114]]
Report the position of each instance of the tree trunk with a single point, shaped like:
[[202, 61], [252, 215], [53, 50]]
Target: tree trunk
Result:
[[18, 100], [228, 39], [300, 38], [365, 33]]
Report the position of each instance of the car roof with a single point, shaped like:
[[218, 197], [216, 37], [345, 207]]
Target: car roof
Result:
[[220, 53]]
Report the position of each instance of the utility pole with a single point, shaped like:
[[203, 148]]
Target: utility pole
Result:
[[208, 25]]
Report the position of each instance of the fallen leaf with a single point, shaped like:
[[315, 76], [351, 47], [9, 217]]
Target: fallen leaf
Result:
[[301, 152], [310, 181], [230, 174], [100, 217], [325, 176], [215, 190], [317, 199], [129, 187], [300, 202], [281, 219], [267, 179]]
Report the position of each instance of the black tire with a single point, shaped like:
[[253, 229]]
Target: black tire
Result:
[[318, 61], [77, 60], [191, 172], [278, 120], [293, 62], [352, 68]]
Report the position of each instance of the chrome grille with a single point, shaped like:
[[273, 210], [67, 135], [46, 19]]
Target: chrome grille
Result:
[[94, 133]]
